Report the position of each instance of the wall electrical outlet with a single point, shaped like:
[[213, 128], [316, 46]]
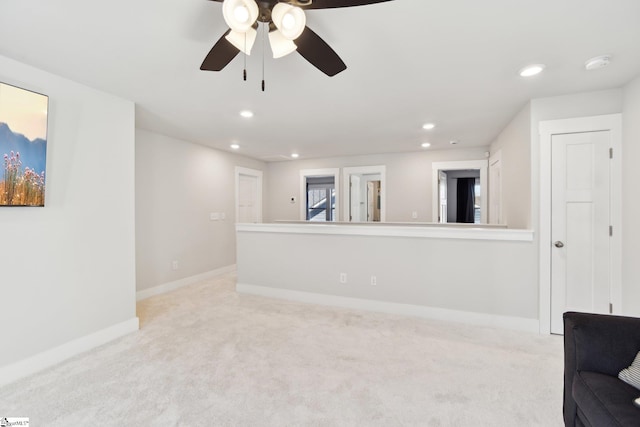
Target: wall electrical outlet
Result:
[[214, 216], [343, 277], [374, 281], [175, 265], [414, 215]]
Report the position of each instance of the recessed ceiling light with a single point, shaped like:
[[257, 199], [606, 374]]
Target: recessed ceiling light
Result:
[[246, 114], [597, 62], [453, 142], [295, 155], [532, 70], [235, 146], [428, 126], [425, 145]]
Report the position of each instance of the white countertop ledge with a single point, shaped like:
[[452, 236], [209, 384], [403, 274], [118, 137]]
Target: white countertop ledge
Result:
[[435, 231]]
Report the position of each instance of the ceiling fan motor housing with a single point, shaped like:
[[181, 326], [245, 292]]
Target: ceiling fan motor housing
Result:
[[265, 10]]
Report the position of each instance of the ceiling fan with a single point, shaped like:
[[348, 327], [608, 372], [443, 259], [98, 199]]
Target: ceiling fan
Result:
[[288, 32]]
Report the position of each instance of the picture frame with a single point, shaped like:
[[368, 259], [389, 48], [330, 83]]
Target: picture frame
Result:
[[23, 146]]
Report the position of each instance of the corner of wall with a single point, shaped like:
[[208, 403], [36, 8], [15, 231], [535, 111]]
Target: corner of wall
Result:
[[630, 202], [177, 237]]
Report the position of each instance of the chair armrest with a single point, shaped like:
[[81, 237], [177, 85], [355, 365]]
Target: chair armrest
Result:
[[597, 343], [601, 343]]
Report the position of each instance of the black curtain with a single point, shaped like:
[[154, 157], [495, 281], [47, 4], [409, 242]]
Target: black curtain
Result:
[[465, 199]]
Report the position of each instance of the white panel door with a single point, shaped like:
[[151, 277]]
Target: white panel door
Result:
[[495, 190], [355, 200], [580, 220], [248, 199], [442, 197]]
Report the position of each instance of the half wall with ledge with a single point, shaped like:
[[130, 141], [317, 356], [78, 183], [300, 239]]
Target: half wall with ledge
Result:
[[484, 275]]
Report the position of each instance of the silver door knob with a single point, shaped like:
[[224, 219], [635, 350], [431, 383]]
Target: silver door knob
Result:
[[558, 244]]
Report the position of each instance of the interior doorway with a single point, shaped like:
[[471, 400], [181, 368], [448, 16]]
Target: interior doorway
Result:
[[319, 195], [460, 195], [364, 197], [580, 208], [459, 192], [365, 193], [373, 200], [248, 195], [320, 200]]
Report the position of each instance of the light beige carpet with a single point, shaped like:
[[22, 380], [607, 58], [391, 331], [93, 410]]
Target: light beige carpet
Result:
[[206, 356]]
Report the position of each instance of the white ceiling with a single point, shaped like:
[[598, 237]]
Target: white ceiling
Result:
[[451, 62]]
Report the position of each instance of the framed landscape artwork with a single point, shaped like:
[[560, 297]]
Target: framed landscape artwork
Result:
[[23, 146]]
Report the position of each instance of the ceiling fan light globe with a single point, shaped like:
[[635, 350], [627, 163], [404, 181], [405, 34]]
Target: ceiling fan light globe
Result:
[[290, 20], [242, 41], [280, 45], [240, 14]]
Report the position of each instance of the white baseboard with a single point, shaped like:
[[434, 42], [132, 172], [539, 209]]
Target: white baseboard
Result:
[[33, 364], [170, 286], [478, 319]]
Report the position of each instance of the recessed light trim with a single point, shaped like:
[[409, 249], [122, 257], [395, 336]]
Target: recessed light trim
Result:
[[454, 142], [428, 126], [247, 114], [532, 70], [425, 145], [235, 146], [597, 62]]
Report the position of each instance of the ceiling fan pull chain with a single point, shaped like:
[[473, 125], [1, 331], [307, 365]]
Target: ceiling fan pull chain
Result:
[[244, 72], [263, 49]]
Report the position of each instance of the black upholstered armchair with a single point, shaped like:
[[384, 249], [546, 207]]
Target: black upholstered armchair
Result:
[[596, 349]]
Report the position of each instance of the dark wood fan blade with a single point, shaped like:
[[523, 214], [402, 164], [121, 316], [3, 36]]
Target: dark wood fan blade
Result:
[[319, 53], [220, 55], [328, 4]]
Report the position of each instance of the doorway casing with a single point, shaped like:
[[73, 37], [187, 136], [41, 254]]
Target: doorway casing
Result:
[[613, 124]]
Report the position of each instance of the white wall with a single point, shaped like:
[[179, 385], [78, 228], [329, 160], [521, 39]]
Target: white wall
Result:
[[514, 143], [68, 269], [178, 184], [630, 199], [408, 186]]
